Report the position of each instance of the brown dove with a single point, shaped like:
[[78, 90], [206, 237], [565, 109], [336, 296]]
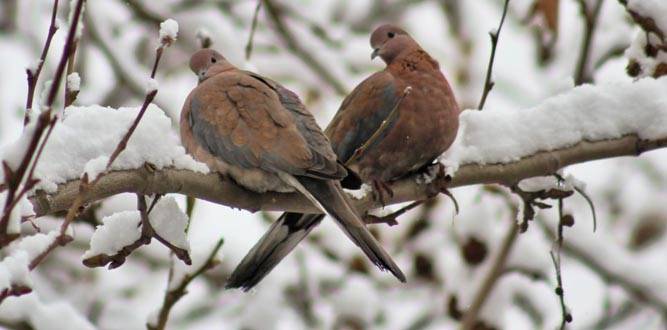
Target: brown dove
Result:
[[260, 134], [395, 122]]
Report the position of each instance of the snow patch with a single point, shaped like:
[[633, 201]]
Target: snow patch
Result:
[[65, 157], [116, 232], [587, 112], [74, 82], [170, 222], [360, 193], [168, 31], [151, 85]]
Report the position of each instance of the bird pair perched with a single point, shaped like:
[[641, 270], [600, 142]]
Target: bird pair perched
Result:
[[258, 133]]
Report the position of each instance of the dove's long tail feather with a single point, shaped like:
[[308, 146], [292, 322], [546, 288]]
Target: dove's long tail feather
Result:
[[281, 238], [291, 228]]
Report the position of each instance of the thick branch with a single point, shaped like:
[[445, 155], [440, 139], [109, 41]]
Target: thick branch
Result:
[[222, 191]]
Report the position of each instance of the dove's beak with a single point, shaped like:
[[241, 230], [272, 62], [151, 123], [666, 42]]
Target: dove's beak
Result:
[[375, 53]]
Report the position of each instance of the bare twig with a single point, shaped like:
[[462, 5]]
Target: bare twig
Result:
[[14, 180], [390, 219], [14, 290], [638, 290], [586, 197], [172, 296], [488, 82], [555, 257], [79, 200], [33, 77], [275, 14], [249, 44], [70, 95], [219, 190], [591, 16]]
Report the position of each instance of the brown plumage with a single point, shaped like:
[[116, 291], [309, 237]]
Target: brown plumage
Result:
[[417, 128], [260, 134], [425, 121]]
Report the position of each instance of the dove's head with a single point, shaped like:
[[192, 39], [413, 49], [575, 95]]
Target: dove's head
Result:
[[389, 41], [206, 63]]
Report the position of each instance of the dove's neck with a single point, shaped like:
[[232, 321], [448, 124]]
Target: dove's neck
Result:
[[219, 68], [415, 59]]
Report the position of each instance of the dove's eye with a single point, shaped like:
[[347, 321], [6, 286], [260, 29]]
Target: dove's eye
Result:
[[213, 60], [390, 34]]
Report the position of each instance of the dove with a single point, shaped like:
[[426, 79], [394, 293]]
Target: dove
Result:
[[393, 123], [258, 133]]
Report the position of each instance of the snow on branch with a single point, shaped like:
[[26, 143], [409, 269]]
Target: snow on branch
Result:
[[123, 232], [584, 124]]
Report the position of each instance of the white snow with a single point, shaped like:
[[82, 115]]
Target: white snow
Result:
[[357, 299], [151, 85], [116, 232], [543, 183], [588, 112], [41, 315], [95, 167], [44, 95], [170, 222], [65, 157], [34, 245], [14, 269], [360, 193], [168, 31], [74, 82]]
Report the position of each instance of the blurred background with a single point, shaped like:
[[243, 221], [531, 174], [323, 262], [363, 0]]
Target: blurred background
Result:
[[614, 278]]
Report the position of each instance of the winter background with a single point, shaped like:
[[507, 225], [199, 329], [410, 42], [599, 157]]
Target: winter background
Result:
[[614, 278]]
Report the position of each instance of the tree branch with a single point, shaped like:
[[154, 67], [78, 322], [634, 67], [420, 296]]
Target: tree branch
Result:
[[590, 21], [212, 188]]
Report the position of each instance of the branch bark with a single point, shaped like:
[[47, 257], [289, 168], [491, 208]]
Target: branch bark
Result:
[[213, 188]]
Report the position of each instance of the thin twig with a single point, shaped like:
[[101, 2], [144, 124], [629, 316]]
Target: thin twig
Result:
[[44, 120], [590, 204], [495, 35], [79, 200], [172, 296], [69, 44], [33, 77], [70, 95], [590, 21], [390, 219], [251, 37], [555, 257], [638, 290], [566, 316]]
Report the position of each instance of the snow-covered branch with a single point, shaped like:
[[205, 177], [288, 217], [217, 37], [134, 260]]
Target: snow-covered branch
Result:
[[585, 124]]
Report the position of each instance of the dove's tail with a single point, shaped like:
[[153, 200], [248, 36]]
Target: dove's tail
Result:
[[291, 228], [284, 234]]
